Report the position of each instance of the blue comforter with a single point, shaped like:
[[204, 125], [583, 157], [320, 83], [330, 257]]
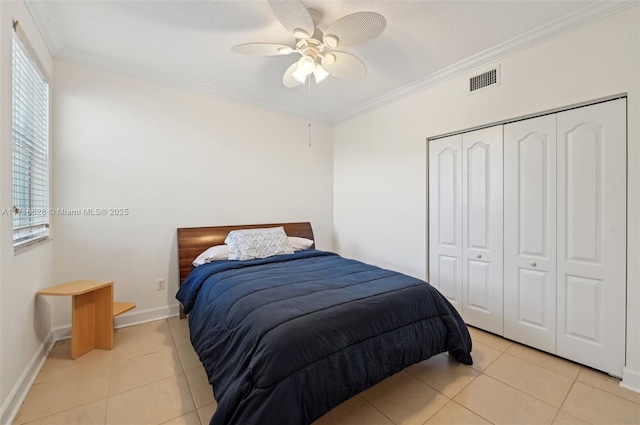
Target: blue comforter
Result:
[[285, 339]]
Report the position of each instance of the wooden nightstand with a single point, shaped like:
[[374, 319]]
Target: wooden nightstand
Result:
[[92, 313]]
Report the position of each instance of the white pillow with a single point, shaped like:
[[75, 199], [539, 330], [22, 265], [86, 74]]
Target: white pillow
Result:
[[300, 244], [249, 244], [215, 253]]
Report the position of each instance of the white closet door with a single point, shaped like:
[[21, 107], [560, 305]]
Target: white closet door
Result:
[[530, 232], [591, 235], [445, 218], [482, 228]]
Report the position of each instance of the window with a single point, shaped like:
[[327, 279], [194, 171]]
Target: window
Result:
[[30, 138]]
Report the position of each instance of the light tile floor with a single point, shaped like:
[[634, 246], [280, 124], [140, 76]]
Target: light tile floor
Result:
[[153, 376]]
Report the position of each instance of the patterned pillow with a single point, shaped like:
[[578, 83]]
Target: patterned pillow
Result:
[[257, 243]]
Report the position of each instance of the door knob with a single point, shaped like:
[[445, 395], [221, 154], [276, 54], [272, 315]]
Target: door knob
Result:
[[479, 256], [532, 263]]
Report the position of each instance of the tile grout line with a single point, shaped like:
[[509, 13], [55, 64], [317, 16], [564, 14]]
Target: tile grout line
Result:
[[545, 367], [574, 379], [195, 406], [123, 361], [106, 409], [153, 380], [440, 392], [492, 361], [436, 412], [430, 387], [57, 412], [606, 391], [472, 411], [565, 398], [371, 404], [178, 354], [603, 389], [141, 356], [179, 416], [450, 399], [523, 392]]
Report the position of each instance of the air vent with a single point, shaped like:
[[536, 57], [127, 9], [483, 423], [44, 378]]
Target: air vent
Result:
[[485, 80]]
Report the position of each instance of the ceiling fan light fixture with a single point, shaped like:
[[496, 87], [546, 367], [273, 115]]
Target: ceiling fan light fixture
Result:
[[299, 75], [331, 41], [306, 64], [301, 34], [319, 73], [329, 59]]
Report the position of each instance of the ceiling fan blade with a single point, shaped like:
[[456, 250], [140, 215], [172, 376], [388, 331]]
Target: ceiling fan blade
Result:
[[288, 79], [355, 29], [293, 15], [344, 66], [262, 49]]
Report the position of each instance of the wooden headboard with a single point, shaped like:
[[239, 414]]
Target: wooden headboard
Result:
[[192, 241]]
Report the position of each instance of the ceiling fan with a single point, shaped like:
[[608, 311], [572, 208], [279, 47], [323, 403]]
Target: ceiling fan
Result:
[[317, 48]]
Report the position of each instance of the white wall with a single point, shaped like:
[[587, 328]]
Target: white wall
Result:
[[380, 175], [25, 320], [174, 159]]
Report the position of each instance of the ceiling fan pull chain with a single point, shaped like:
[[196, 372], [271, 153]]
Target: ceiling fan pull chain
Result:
[[309, 122]]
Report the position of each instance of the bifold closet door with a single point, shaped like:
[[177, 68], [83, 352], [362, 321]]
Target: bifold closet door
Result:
[[530, 232], [445, 218], [591, 275], [482, 228]]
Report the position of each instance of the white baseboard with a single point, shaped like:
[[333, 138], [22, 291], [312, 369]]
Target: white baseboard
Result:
[[20, 390], [630, 379], [12, 404], [144, 316], [128, 319]]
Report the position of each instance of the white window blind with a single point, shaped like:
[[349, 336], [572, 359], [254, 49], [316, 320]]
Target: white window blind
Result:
[[30, 137]]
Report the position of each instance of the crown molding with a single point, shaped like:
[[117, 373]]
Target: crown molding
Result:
[[531, 38], [127, 70], [43, 17]]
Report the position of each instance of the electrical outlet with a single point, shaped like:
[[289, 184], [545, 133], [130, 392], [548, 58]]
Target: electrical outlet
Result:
[[160, 285]]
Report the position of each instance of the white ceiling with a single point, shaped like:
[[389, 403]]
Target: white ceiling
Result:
[[188, 43]]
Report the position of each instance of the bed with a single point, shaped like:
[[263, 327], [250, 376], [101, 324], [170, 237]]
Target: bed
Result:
[[284, 339]]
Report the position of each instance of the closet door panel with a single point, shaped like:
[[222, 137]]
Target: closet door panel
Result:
[[482, 228], [591, 271], [530, 232], [445, 218]]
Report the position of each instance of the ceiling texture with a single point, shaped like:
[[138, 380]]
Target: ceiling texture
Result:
[[187, 43]]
